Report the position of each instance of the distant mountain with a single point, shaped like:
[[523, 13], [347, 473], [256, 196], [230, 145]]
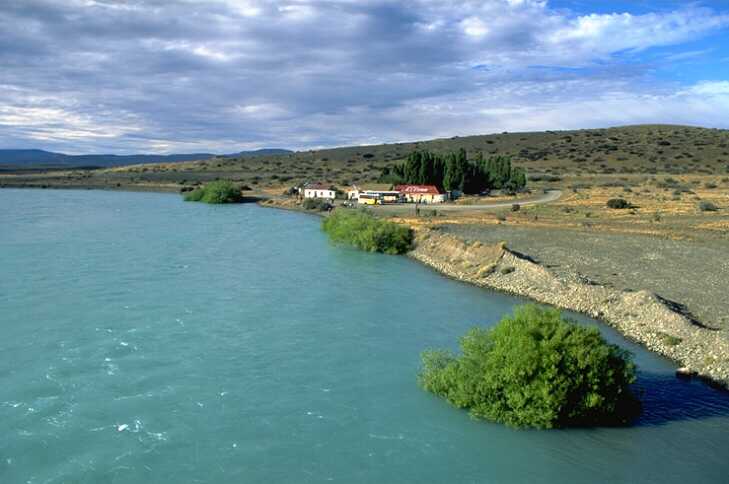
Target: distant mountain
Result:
[[29, 159], [262, 152]]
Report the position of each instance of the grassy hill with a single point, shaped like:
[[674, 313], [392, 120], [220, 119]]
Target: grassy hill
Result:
[[40, 159], [631, 149], [643, 149]]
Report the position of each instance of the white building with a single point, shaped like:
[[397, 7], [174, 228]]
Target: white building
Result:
[[319, 190], [353, 194], [421, 193]]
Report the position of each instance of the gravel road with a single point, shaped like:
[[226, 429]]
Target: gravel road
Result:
[[537, 199]]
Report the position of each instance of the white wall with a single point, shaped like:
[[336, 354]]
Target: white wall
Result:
[[318, 193]]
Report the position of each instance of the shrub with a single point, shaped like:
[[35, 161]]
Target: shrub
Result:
[[215, 192], [669, 339], [706, 206], [515, 207], [535, 369], [618, 203], [316, 204], [367, 232], [544, 177]]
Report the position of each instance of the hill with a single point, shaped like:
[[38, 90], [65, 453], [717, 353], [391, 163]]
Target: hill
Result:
[[621, 151], [643, 149], [40, 159]]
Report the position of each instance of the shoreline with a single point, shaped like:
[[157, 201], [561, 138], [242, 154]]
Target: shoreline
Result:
[[81, 186], [253, 197], [640, 316]]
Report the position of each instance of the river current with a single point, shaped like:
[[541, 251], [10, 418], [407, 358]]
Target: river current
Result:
[[145, 339]]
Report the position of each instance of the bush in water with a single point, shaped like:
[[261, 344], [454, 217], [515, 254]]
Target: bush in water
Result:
[[367, 232], [215, 192], [535, 369]]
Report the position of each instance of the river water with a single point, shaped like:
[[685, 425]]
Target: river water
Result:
[[144, 339]]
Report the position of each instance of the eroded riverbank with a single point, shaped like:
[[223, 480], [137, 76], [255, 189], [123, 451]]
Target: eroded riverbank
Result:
[[640, 315], [660, 325]]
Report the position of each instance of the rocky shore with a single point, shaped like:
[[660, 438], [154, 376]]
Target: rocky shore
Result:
[[639, 315]]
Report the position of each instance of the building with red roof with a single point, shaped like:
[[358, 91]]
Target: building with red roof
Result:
[[421, 193]]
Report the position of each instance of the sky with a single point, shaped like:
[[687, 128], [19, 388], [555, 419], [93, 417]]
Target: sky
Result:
[[221, 76]]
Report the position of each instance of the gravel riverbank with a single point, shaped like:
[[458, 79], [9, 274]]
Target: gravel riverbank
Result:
[[693, 273], [473, 255], [638, 314]]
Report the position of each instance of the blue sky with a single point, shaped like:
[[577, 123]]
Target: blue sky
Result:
[[84, 76]]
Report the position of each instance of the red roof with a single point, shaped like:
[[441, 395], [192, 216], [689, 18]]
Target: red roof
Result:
[[418, 189]]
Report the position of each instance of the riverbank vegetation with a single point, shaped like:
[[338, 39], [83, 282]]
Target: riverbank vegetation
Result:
[[535, 369], [215, 192], [455, 171], [318, 204], [367, 232]]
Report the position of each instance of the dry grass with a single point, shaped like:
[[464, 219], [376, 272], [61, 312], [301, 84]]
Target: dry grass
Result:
[[655, 209]]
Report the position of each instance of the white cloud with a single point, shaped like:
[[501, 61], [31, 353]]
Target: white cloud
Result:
[[297, 73], [298, 11], [710, 88], [474, 27], [574, 104], [604, 34], [246, 8], [264, 111]]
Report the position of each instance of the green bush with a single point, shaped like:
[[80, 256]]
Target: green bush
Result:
[[316, 204], [535, 369], [668, 339], [367, 232], [215, 192], [706, 206], [618, 203]]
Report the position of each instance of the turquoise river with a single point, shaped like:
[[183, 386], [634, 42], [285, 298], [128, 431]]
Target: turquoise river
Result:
[[145, 339]]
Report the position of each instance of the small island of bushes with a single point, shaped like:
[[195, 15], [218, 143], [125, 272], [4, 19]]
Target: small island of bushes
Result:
[[367, 232], [216, 192], [535, 369]]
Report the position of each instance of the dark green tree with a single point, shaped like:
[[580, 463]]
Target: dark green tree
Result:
[[455, 171]]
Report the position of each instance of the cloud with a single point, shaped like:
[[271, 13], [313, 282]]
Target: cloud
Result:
[[149, 75], [710, 89]]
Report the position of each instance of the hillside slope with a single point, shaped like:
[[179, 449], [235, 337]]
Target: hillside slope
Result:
[[644, 149], [38, 159]]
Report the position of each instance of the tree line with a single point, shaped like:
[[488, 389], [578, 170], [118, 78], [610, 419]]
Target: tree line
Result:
[[454, 171]]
